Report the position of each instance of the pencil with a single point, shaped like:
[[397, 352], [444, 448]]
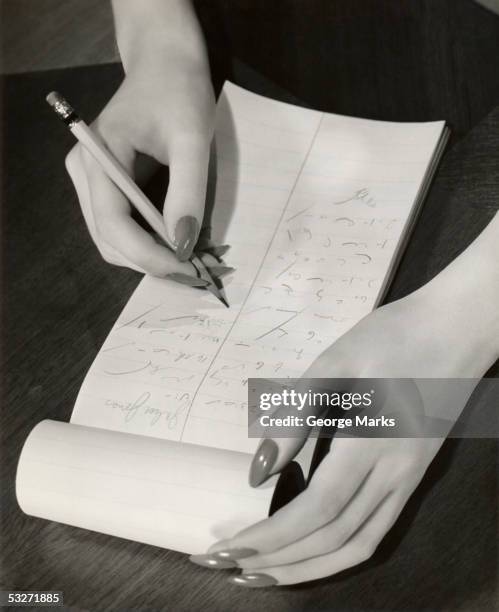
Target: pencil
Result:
[[115, 171]]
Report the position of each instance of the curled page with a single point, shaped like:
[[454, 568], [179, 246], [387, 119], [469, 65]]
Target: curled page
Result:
[[178, 496]]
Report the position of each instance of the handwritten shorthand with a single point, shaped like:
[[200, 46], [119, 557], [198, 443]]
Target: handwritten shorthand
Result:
[[314, 207]]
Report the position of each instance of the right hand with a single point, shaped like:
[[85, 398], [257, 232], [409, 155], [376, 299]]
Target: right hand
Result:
[[165, 109]]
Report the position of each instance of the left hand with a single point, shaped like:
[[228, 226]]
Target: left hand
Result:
[[353, 499], [361, 486]]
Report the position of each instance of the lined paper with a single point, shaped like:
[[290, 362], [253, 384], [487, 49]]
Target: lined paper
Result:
[[178, 496], [315, 207]]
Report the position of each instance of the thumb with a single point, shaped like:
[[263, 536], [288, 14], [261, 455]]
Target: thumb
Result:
[[274, 453], [272, 456], [185, 199]]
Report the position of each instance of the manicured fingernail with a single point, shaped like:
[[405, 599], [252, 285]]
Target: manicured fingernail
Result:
[[263, 462], [185, 279], [217, 251], [212, 562], [220, 271], [233, 554], [186, 235], [253, 581]]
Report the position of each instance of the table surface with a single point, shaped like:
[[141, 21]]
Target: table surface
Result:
[[389, 60]]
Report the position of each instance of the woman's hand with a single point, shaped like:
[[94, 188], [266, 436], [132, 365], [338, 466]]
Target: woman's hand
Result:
[[362, 484], [449, 329], [164, 109], [353, 499]]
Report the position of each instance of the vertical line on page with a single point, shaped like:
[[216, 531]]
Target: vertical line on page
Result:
[[305, 159]]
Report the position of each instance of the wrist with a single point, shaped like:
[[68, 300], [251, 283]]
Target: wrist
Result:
[[462, 301], [159, 34]]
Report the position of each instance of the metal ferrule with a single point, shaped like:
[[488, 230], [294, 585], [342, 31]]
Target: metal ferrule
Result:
[[64, 110]]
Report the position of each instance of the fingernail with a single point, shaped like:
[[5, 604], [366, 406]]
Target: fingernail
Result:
[[263, 462], [220, 271], [212, 562], [185, 279], [253, 581], [233, 554], [186, 235]]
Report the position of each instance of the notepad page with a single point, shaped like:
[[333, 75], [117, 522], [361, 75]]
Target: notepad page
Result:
[[314, 207]]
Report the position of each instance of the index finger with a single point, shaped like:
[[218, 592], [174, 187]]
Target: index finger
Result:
[[115, 226]]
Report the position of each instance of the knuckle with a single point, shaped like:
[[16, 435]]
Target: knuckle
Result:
[[328, 505], [103, 249], [104, 242], [106, 256], [401, 468], [365, 548], [107, 253], [343, 532]]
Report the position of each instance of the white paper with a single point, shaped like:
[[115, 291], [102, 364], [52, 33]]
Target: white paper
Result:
[[315, 207], [178, 496]]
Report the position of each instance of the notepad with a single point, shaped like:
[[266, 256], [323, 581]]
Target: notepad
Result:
[[317, 209]]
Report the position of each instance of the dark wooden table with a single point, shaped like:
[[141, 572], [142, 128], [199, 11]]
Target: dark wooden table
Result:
[[419, 60]]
